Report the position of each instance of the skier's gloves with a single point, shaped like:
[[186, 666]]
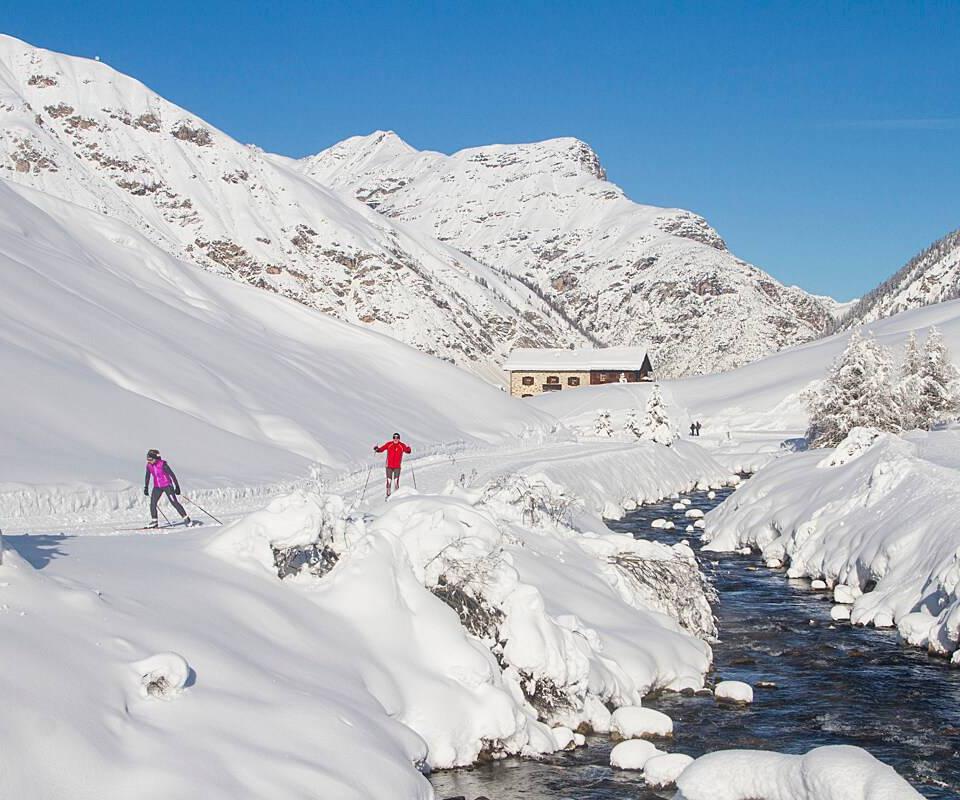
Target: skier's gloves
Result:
[[146, 492], [176, 490]]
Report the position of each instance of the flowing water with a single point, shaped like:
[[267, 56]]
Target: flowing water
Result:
[[835, 684]]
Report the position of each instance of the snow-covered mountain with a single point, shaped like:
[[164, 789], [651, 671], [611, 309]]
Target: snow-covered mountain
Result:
[[77, 129], [931, 276], [622, 272], [109, 346]]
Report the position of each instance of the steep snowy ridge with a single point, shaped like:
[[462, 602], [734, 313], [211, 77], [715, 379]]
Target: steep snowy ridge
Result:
[[80, 131], [622, 272], [931, 276], [109, 346]]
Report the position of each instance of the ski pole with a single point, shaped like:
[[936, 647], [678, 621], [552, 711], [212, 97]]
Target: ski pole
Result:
[[165, 520], [202, 509]]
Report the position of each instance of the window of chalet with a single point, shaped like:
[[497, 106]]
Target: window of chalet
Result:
[[553, 379], [527, 380], [573, 381]]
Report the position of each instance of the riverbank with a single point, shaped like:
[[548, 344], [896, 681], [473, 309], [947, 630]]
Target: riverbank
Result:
[[449, 625]]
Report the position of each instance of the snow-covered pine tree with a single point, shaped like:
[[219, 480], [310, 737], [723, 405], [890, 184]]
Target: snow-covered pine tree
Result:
[[908, 388], [938, 387], [632, 424], [856, 393], [656, 423], [602, 425]]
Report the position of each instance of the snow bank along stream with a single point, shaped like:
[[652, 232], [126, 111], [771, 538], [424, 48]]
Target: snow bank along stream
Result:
[[816, 683]]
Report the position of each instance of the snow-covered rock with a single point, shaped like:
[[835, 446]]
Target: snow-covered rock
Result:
[[733, 692], [634, 722], [856, 443], [659, 523], [662, 771], [633, 754], [843, 593], [840, 612], [694, 513], [161, 677], [818, 584], [565, 738], [838, 772]]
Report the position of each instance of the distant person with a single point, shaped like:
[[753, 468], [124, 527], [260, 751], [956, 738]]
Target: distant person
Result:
[[164, 483], [698, 427], [693, 429], [394, 450]]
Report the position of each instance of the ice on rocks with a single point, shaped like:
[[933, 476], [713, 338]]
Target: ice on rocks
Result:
[[634, 722], [633, 754], [662, 771], [736, 692], [837, 772]]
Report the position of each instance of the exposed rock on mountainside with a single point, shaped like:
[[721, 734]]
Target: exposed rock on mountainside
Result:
[[931, 276], [79, 130], [621, 271]]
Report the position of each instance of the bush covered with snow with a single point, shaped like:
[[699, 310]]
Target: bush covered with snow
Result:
[[163, 676], [838, 772]]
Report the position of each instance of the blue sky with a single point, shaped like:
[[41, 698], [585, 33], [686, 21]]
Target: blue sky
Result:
[[822, 140]]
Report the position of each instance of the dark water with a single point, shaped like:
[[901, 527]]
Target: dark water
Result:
[[836, 684]]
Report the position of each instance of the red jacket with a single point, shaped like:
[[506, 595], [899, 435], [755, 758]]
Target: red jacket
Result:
[[395, 451]]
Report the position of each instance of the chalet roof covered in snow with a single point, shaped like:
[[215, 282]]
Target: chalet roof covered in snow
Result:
[[537, 359]]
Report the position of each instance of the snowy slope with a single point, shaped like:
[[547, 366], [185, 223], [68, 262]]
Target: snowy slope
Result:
[[81, 131], [762, 397], [623, 272], [110, 346], [931, 276]]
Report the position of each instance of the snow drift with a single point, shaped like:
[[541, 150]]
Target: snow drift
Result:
[[877, 516], [111, 346]]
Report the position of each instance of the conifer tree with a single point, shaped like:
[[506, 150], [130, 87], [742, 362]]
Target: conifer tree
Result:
[[856, 393], [656, 423], [602, 425], [937, 399], [908, 389], [632, 424]]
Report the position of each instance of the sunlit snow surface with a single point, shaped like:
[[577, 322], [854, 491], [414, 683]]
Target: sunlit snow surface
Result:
[[834, 685]]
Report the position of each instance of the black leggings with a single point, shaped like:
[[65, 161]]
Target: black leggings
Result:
[[155, 496]]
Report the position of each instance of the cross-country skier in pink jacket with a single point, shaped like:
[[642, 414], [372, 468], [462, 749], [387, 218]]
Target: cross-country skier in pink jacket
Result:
[[164, 483]]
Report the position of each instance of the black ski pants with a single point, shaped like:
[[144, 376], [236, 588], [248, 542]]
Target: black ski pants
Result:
[[155, 496]]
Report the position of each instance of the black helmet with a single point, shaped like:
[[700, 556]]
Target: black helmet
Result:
[[153, 453]]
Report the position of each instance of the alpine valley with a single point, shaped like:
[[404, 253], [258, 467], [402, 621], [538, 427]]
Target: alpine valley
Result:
[[463, 256]]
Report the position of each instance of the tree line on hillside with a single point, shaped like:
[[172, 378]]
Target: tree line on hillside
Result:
[[863, 389]]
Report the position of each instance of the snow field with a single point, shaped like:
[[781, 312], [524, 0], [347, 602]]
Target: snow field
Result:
[[883, 521], [838, 772]]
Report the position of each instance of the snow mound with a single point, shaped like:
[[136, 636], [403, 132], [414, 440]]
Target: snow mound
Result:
[[634, 722], [839, 772], [633, 754], [854, 445], [662, 771], [823, 523], [163, 676], [733, 692]]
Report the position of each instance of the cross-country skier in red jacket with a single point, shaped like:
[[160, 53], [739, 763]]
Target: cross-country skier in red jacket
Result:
[[394, 450]]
